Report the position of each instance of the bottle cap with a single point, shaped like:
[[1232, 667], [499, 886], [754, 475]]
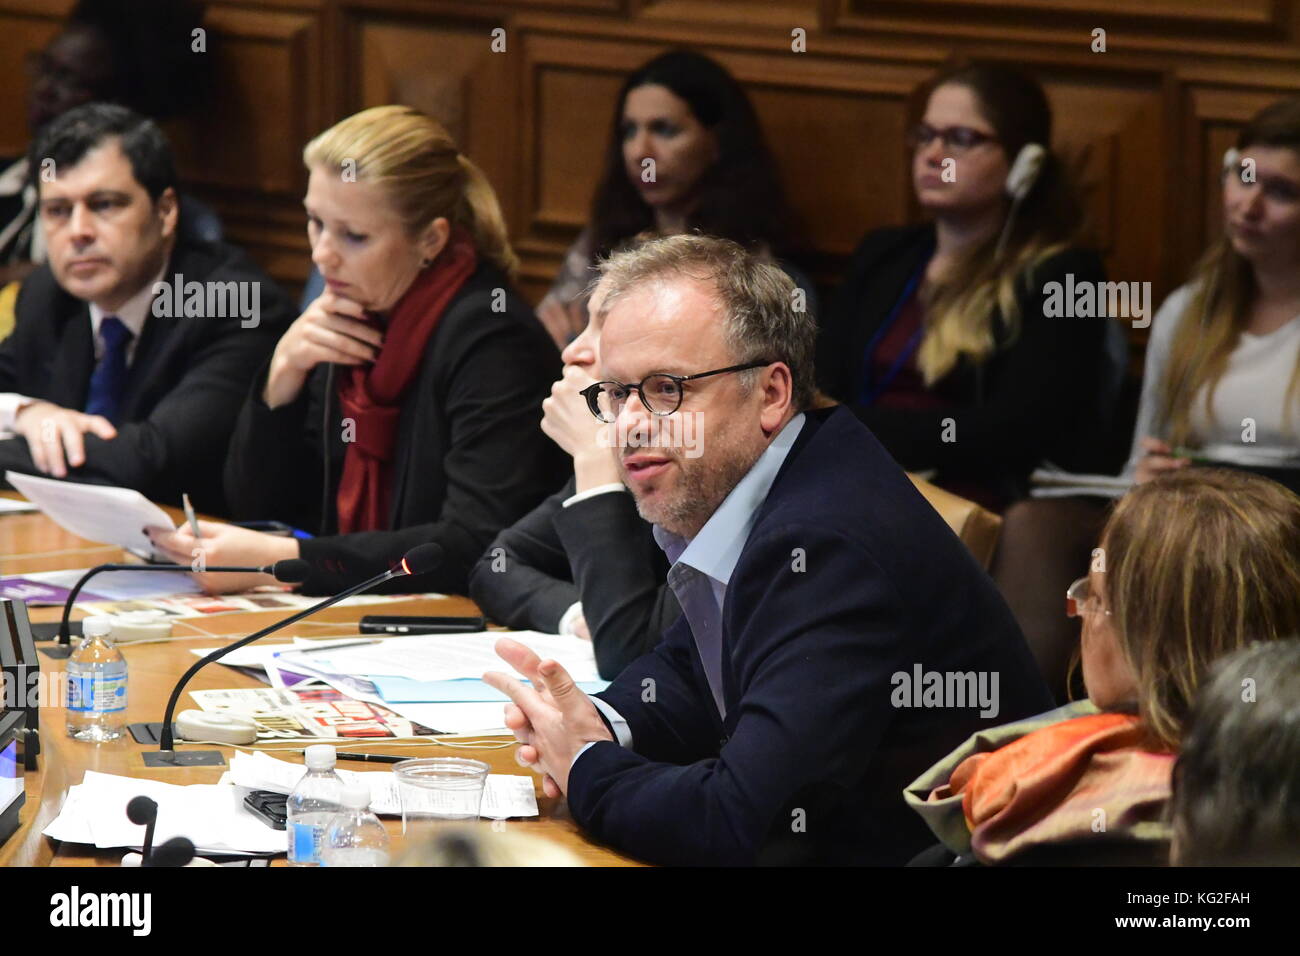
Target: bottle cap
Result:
[[355, 796], [320, 757], [99, 626]]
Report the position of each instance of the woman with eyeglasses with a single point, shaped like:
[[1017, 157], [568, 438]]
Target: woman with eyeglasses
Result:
[[937, 336], [1191, 567]]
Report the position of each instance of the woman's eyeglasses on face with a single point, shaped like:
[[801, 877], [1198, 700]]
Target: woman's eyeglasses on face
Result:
[[660, 393], [956, 138], [1079, 599]]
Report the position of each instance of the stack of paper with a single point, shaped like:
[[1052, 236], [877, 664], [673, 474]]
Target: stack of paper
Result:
[[212, 816], [434, 680], [504, 795], [1052, 482]]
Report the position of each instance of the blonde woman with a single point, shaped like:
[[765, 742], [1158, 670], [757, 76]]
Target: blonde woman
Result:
[[402, 406], [1220, 385], [1191, 567], [1223, 364], [937, 337]]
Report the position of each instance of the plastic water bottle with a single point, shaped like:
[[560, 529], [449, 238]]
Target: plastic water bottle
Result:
[[312, 806], [96, 685], [355, 837]]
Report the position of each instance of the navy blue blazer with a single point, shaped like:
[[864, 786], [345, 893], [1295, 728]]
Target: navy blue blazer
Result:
[[848, 578]]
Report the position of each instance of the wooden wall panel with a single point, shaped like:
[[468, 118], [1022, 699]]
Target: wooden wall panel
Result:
[[448, 69], [1146, 121], [22, 34]]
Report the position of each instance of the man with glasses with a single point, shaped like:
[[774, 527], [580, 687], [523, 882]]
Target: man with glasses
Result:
[[582, 562], [765, 726]]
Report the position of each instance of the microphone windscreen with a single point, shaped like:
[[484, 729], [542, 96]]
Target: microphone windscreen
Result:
[[141, 811], [175, 852], [422, 559], [291, 570]]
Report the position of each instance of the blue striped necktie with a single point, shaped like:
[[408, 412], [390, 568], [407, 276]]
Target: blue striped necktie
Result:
[[109, 378]]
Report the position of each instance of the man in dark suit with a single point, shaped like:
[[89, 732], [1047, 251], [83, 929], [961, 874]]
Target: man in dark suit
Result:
[[582, 562], [836, 638], [131, 351]]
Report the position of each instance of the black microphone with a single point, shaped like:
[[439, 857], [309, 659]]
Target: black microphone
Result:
[[419, 560], [143, 812], [290, 571], [178, 851]]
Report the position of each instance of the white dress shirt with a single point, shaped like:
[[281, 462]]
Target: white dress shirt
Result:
[[133, 314]]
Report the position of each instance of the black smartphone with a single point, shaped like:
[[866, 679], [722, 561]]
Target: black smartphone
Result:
[[269, 806], [414, 624]]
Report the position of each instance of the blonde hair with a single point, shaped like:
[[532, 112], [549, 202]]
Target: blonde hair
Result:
[[1220, 307], [960, 308], [1206, 338], [415, 162], [1199, 563], [478, 846]]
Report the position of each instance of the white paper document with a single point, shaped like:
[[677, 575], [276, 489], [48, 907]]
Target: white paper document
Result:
[[504, 795], [94, 512], [12, 506], [212, 816], [1049, 481], [431, 657]]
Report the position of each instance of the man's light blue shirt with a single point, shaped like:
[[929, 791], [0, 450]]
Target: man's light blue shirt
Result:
[[702, 566]]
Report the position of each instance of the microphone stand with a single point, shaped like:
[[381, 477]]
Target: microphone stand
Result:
[[166, 755], [64, 646]]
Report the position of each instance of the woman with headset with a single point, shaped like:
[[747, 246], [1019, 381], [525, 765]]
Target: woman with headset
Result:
[[937, 337]]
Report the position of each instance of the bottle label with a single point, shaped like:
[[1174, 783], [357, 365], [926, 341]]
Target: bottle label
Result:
[[91, 693], [305, 842]]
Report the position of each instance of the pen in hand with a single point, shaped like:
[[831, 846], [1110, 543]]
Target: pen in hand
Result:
[[189, 516]]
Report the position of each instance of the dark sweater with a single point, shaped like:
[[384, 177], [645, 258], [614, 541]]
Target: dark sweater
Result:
[[186, 380], [471, 457], [1027, 402], [598, 551]]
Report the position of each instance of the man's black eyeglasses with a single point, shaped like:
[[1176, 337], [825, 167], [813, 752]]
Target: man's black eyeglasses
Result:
[[660, 393]]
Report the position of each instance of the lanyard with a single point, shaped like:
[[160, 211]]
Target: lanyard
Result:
[[869, 393]]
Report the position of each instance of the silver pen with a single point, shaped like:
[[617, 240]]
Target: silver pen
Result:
[[189, 515]]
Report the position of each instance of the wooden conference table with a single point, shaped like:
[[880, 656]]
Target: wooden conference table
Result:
[[31, 542]]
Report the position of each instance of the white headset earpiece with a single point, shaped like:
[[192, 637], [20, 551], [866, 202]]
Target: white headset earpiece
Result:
[[1020, 179], [1024, 170]]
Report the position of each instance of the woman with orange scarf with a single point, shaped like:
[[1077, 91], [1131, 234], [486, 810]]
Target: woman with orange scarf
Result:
[[1191, 567], [402, 407]]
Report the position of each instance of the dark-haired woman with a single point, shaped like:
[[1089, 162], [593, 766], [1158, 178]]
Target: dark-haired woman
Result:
[[685, 153], [938, 337]]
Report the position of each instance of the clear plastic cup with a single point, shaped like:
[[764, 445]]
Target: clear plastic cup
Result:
[[440, 788]]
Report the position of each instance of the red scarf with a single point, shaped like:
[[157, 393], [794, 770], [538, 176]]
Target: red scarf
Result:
[[372, 395]]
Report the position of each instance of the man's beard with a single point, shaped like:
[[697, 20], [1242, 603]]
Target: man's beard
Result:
[[701, 488]]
